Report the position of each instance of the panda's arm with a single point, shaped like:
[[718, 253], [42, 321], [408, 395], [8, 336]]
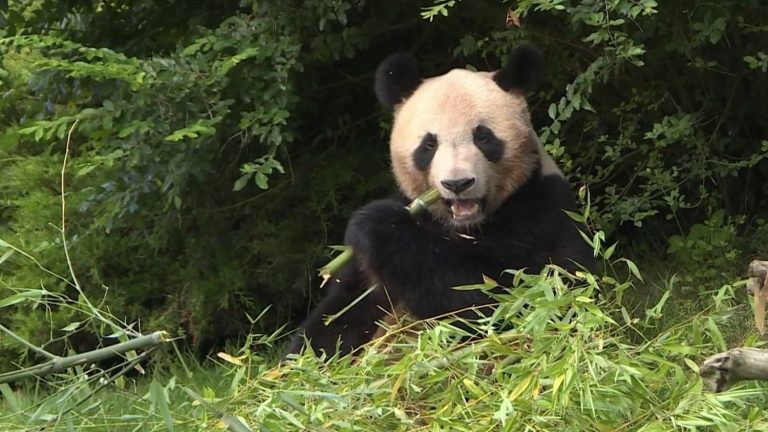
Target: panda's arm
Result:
[[352, 328], [416, 267]]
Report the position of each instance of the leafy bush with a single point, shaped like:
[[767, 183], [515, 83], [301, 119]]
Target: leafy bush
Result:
[[708, 249]]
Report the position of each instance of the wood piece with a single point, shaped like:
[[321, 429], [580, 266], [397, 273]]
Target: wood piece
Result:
[[757, 275], [758, 269], [760, 308], [757, 286], [722, 370]]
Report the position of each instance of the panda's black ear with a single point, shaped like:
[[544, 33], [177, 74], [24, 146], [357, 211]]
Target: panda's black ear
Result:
[[523, 70], [396, 78]]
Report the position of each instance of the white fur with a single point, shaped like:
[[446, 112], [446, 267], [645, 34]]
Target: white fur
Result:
[[451, 106], [456, 159]]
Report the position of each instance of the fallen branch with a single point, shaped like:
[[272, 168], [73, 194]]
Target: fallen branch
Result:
[[722, 370], [415, 207], [58, 364]]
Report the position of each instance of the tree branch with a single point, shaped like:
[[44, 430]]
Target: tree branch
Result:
[[722, 370]]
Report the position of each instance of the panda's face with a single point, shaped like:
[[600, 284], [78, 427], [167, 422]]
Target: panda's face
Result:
[[466, 136]]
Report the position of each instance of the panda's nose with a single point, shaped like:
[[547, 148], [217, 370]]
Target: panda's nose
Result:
[[458, 186]]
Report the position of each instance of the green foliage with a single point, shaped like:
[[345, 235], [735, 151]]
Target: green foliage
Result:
[[441, 7], [566, 364], [259, 170], [708, 249]]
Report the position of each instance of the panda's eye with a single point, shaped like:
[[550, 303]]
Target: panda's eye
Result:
[[483, 135], [424, 153], [429, 142], [488, 143]]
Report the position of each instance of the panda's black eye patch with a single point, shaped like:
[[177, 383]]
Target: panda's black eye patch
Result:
[[424, 153], [489, 144]]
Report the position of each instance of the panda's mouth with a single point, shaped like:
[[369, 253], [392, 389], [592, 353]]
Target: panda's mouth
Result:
[[464, 210]]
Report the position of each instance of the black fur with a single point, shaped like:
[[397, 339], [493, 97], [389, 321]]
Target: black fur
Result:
[[523, 70], [417, 261], [424, 153], [396, 78], [350, 330], [489, 144]]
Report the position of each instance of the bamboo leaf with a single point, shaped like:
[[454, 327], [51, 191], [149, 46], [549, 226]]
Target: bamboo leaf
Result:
[[521, 387], [633, 268], [20, 297], [157, 395], [71, 327], [6, 255], [9, 397]]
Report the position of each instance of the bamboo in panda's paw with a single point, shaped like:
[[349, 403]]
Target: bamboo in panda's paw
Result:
[[416, 207]]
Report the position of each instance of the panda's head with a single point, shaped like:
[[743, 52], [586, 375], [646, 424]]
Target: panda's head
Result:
[[466, 133]]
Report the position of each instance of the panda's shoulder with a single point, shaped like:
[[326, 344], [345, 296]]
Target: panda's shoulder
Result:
[[539, 203], [556, 188]]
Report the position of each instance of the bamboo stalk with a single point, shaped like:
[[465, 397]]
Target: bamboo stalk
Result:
[[59, 364], [415, 208]]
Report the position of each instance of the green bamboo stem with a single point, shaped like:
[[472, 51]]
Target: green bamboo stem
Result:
[[414, 208], [423, 201], [59, 364]]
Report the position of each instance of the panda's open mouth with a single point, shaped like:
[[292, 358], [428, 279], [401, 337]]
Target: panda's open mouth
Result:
[[464, 210]]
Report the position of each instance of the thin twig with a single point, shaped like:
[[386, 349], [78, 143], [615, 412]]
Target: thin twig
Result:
[[37, 263], [75, 282], [27, 344], [64, 206]]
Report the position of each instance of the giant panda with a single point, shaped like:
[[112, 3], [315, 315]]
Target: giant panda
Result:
[[469, 135]]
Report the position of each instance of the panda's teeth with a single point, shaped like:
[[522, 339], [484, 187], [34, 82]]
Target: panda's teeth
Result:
[[464, 208]]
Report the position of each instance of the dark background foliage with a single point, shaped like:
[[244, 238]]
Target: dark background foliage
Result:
[[221, 145]]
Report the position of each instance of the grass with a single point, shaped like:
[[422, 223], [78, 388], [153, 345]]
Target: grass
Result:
[[570, 363]]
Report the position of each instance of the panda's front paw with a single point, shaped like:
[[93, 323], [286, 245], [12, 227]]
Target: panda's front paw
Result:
[[378, 228]]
